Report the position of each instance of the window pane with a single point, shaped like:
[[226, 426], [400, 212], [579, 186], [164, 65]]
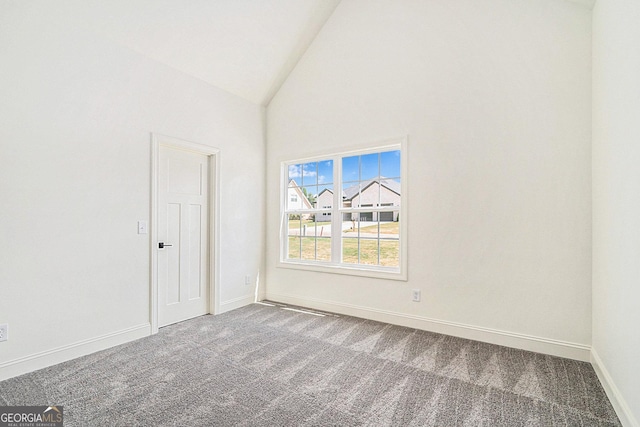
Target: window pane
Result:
[[390, 253], [307, 227], [350, 250], [293, 224], [310, 173], [369, 229], [309, 247], [369, 166], [323, 224], [350, 224], [351, 168], [295, 173], [390, 192], [323, 248], [293, 227], [350, 238], [386, 217], [390, 225], [369, 251], [324, 201], [294, 247], [350, 191], [390, 240], [365, 217], [294, 196], [325, 172], [370, 194], [310, 194], [390, 164]]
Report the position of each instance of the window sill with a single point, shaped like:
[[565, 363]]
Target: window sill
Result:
[[359, 270]]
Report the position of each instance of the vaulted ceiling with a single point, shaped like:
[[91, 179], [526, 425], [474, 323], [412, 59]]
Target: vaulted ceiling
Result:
[[246, 47]]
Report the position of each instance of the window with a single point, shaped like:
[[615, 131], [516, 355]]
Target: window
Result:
[[347, 218]]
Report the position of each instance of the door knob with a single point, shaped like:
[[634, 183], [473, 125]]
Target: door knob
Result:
[[162, 245]]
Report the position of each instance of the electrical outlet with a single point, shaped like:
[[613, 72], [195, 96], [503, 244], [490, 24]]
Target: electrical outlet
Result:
[[415, 295], [247, 280], [4, 332]]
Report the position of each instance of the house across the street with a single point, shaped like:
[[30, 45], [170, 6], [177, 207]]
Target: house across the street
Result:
[[296, 199], [376, 192]]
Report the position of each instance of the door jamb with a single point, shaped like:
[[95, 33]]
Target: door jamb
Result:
[[213, 154]]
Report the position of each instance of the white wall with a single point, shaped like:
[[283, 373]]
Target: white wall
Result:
[[76, 113], [616, 202], [495, 96]]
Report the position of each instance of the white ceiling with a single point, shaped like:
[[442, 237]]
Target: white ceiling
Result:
[[246, 47]]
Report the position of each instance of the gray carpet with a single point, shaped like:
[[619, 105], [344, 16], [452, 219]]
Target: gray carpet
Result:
[[266, 366]]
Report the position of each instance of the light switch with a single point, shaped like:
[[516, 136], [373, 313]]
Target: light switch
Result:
[[142, 227]]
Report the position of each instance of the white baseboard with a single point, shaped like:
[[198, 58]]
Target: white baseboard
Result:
[[615, 397], [509, 339], [47, 358], [232, 304]]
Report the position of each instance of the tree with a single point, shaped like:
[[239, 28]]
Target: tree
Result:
[[310, 197]]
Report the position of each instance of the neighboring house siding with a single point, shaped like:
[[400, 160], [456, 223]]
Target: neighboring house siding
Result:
[[296, 199], [324, 200], [374, 193], [369, 197]]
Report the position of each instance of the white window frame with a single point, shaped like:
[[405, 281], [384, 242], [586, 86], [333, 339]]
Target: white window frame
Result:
[[335, 266]]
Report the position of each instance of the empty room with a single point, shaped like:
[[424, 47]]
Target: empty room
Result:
[[320, 212]]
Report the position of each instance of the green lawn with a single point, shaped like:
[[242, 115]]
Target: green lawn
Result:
[[312, 248], [385, 228], [320, 249], [296, 224], [389, 252]]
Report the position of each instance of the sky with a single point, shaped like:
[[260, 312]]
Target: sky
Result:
[[316, 176]]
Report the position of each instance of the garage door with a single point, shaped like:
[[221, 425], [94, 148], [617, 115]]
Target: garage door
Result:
[[386, 216]]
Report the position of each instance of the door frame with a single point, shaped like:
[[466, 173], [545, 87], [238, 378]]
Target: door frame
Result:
[[157, 141]]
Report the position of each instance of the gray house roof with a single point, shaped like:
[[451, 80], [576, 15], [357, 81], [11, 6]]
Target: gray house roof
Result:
[[322, 192], [351, 192]]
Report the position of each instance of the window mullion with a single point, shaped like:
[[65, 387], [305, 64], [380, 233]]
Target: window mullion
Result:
[[284, 217], [336, 218]]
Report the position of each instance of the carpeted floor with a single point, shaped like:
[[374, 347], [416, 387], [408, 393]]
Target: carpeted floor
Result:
[[266, 366]]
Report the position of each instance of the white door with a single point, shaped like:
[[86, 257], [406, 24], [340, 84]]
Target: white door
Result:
[[183, 213]]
